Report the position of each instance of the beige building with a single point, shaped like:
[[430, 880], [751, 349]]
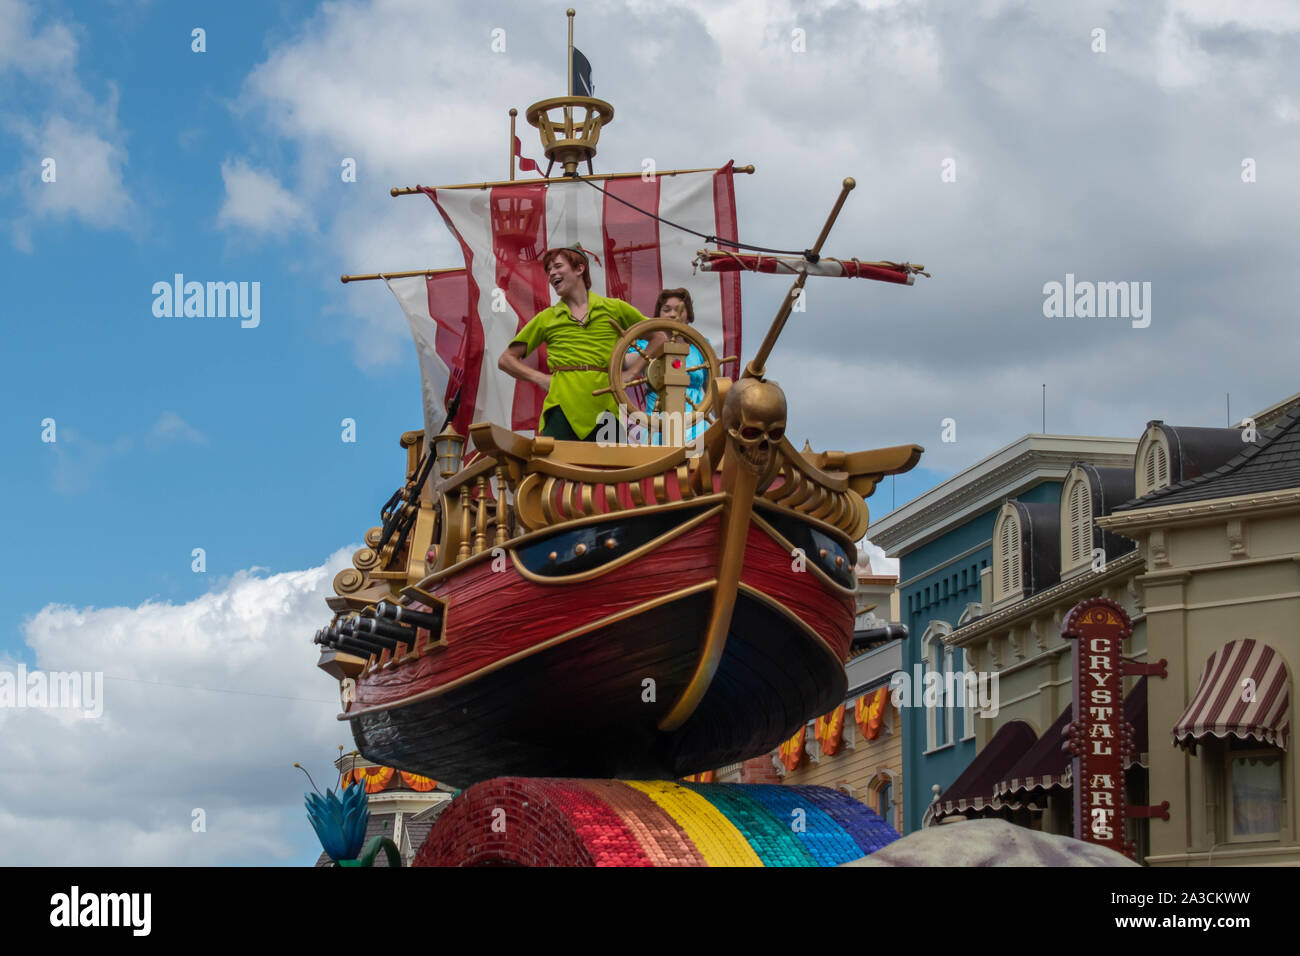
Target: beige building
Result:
[[1220, 589], [1047, 557], [1200, 543]]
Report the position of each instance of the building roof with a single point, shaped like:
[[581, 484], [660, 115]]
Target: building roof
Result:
[[1270, 464], [1110, 488], [1009, 471], [416, 832], [1271, 415], [1040, 544], [1197, 451]]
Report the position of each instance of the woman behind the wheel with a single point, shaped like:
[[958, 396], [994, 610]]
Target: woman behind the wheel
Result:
[[675, 305]]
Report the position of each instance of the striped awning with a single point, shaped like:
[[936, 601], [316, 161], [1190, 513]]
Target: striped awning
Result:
[[1244, 692], [1043, 766], [973, 790], [1046, 766]]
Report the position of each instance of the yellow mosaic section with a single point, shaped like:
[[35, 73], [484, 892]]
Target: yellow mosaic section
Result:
[[717, 839]]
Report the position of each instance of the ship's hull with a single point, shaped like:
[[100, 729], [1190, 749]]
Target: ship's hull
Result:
[[574, 674]]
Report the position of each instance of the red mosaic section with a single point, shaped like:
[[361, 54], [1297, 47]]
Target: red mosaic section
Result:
[[556, 822], [660, 836], [503, 822], [602, 831]]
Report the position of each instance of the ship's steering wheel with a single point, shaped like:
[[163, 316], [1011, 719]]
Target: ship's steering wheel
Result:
[[653, 375]]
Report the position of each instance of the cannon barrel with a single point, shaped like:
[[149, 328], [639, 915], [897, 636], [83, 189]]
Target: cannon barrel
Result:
[[386, 634], [348, 635], [358, 647], [405, 615]]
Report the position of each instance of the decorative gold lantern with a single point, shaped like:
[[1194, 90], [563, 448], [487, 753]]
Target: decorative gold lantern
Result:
[[449, 447]]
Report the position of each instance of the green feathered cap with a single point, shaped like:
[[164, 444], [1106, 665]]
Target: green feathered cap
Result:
[[576, 247]]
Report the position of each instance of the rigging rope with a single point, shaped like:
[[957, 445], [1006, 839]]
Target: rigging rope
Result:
[[717, 240]]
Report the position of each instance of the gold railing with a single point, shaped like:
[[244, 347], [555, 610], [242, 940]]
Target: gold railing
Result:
[[521, 485]]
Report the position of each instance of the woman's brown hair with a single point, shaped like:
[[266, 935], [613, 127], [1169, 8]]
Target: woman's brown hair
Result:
[[682, 294]]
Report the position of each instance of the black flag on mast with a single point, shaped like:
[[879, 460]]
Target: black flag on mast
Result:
[[582, 85]]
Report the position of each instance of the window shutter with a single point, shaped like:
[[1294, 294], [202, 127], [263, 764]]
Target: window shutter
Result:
[[1017, 575], [1157, 468], [1080, 522], [1009, 559]]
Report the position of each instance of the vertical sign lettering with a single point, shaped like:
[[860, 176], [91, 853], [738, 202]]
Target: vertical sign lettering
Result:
[[1099, 737]]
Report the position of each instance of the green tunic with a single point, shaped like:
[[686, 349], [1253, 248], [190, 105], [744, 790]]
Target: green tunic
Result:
[[568, 343]]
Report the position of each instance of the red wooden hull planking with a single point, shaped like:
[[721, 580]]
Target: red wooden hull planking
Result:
[[543, 677]]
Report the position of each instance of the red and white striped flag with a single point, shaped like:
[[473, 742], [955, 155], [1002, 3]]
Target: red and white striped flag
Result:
[[503, 232]]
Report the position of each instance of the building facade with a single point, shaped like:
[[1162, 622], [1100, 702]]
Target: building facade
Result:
[[944, 542], [1200, 543], [1220, 589]]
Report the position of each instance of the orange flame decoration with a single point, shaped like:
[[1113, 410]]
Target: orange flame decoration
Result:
[[374, 778], [792, 750], [870, 711], [830, 731], [418, 783]]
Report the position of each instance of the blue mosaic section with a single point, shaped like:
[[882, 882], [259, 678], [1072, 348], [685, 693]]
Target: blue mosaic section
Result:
[[822, 835]]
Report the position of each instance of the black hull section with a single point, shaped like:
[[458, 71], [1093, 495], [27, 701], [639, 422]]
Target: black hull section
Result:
[[580, 708]]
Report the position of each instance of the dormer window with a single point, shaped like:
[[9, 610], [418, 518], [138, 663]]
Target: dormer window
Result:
[[1076, 522], [1152, 463], [1008, 580]]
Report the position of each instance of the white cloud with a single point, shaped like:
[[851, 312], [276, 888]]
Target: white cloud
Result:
[[49, 51], [120, 790], [77, 461], [1116, 166], [89, 181], [256, 201], [62, 122], [873, 560], [171, 427]]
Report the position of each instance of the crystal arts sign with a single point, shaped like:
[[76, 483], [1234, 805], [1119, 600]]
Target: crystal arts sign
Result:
[[1099, 737]]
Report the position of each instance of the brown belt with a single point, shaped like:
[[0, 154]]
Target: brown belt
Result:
[[580, 368]]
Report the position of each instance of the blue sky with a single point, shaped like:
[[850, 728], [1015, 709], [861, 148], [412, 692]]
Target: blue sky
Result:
[[183, 433], [252, 469]]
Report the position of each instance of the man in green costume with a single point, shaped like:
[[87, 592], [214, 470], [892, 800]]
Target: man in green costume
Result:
[[579, 337]]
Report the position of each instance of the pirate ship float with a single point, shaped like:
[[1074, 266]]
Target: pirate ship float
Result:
[[548, 608]]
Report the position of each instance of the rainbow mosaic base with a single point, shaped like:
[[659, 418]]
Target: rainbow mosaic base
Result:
[[542, 821]]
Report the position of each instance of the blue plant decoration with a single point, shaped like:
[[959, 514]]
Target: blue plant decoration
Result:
[[340, 825]]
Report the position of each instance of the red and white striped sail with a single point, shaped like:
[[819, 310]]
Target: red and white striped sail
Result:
[[437, 307], [503, 231], [904, 273]]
